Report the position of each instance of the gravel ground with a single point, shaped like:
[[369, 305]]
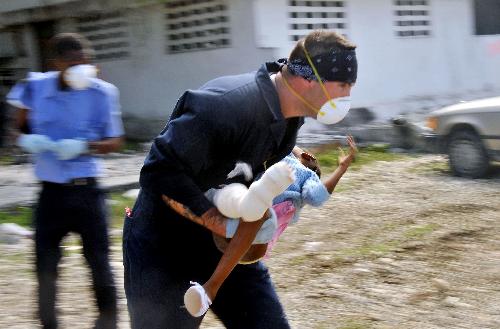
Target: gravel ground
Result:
[[403, 245]]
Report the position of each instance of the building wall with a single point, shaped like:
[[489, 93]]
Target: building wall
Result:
[[398, 74], [151, 80]]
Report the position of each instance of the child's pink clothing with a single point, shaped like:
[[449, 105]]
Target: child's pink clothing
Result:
[[284, 213]]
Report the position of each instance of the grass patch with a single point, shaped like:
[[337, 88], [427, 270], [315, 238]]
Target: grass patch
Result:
[[370, 249], [23, 215], [328, 156], [18, 215], [6, 160], [117, 207], [420, 231], [439, 167]]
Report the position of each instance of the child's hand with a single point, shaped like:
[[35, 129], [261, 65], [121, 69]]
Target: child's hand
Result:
[[346, 160]]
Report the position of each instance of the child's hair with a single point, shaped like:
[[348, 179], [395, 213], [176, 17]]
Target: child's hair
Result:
[[312, 164], [307, 159]]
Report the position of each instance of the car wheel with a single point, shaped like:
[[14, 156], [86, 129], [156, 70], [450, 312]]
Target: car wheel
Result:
[[467, 155]]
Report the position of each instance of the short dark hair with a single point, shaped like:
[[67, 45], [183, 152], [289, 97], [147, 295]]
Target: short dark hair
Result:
[[66, 45], [319, 42]]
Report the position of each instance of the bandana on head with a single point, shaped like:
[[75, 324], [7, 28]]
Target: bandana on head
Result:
[[336, 65]]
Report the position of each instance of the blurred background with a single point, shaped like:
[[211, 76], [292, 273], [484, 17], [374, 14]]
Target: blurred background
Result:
[[414, 55]]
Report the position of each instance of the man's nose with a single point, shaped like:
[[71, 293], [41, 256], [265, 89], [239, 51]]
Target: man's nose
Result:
[[346, 91]]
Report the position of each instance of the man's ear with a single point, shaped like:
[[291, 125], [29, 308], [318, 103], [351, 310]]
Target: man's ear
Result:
[[302, 84]]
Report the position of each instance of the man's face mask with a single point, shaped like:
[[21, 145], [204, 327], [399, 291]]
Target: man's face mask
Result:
[[79, 77], [334, 110]]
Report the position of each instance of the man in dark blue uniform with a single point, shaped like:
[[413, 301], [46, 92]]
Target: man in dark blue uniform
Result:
[[252, 118]]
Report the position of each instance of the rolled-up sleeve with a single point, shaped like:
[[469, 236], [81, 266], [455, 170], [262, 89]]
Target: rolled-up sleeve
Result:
[[113, 126], [21, 95], [314, 191]]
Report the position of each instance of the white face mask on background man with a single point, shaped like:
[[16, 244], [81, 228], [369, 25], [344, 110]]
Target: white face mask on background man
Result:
[[79, 77]]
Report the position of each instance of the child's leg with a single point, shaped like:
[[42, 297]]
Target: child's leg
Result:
[[238, 246], [198, 298]]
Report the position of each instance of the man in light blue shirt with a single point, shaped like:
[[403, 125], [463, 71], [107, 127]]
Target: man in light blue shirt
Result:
[[67, 117]]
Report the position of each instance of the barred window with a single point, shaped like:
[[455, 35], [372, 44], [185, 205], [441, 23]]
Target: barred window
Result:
[[108, 33], [487, 16], [197, 25], [412, 18], [306, 16]]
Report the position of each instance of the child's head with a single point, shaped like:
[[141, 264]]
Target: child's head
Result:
[[307, 159]]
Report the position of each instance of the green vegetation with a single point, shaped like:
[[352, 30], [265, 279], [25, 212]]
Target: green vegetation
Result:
[[437, 167], [328, 156], [117, 206], [22, 215], [420, 231], [19, 215], [6, 160], [370, 249]]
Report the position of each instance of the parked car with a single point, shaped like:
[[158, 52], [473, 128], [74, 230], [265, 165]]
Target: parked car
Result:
[[469, 133]]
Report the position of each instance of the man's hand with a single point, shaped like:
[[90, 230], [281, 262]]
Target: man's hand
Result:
[[213, 220], [67, 149], [346, 160], [34, 143]]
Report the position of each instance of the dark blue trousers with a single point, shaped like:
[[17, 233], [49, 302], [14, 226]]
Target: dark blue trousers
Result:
[[163, 252], [62, 209]]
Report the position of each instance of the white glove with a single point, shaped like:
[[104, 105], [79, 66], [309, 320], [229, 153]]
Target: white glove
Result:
[[67, 149], [236, 201], [34, 143]]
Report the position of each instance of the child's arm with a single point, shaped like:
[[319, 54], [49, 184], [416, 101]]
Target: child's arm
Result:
[[344, 163], [225, 227]]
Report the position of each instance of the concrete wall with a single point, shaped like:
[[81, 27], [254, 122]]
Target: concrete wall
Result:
[[396, 74], [404, 74], [151, 80]]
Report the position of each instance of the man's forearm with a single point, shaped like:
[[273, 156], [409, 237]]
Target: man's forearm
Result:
[[105, 146]]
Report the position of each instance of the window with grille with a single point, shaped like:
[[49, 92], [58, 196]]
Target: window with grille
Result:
[[8, 76], [197, 25], [412, 18], [487, 17], [108, 33], [306, 16]]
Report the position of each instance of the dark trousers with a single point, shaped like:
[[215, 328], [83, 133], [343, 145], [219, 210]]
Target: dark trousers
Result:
[[80, 209], [163, 252]]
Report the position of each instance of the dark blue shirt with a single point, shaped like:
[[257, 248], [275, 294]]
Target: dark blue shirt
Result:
[[227, 120]]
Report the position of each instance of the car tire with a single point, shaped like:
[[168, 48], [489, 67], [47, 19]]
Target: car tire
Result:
[[467, 155]]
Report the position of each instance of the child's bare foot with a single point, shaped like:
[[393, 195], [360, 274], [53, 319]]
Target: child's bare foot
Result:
[[196, 300]]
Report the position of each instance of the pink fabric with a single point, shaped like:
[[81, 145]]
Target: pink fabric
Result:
[[284, 213]]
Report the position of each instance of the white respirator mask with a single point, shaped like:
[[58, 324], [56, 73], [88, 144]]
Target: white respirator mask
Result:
[[334, 110], [79, 77]]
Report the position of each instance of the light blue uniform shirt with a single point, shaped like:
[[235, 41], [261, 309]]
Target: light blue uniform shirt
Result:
[[306, 189], [92, 114]]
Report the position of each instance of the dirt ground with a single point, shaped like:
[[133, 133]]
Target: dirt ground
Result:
[[402, 245]]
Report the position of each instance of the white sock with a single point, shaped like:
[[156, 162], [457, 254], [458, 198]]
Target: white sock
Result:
[[196, 300]]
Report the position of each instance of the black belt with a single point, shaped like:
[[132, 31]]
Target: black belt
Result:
[[81, 181]]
